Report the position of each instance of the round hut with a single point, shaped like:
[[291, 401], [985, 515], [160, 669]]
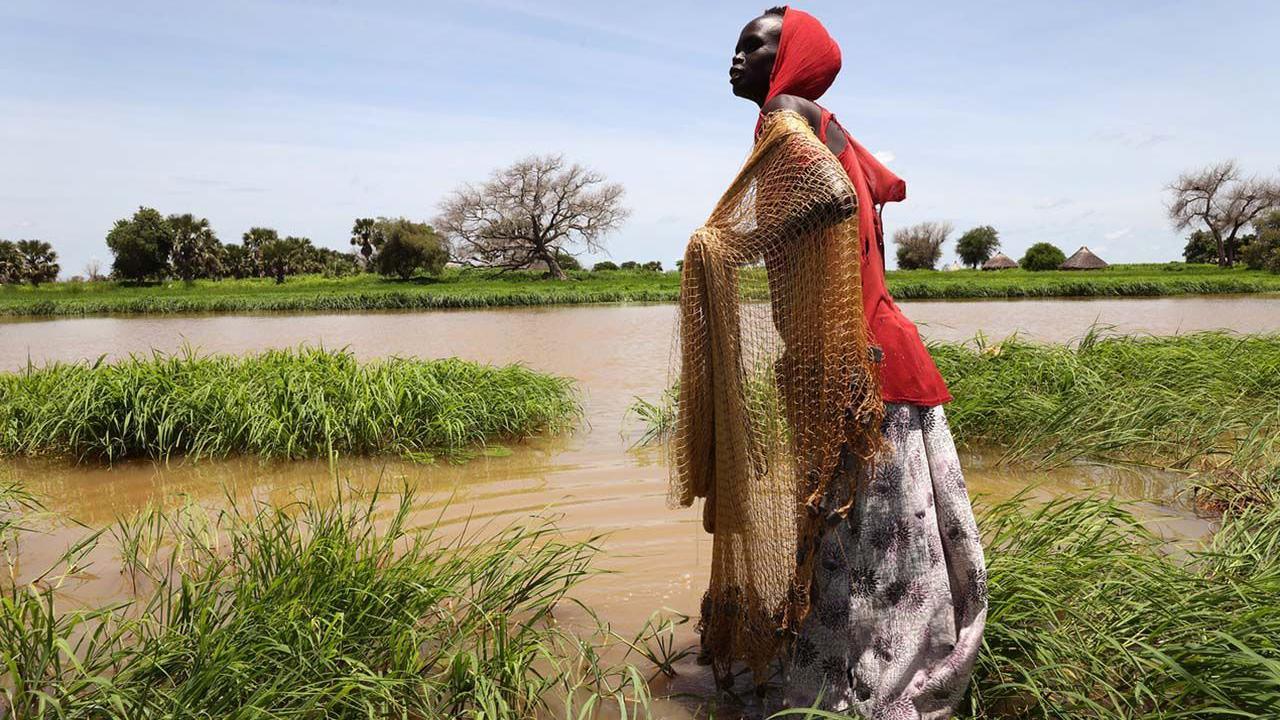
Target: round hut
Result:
[[999, 261], [1083, 259]]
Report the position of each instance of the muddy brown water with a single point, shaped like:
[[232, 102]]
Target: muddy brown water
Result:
[[593, 480]]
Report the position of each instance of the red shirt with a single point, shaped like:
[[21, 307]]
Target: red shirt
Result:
[[908, 373]]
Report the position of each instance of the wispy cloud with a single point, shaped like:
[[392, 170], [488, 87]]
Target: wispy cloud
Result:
[[1135, 138], [885, 156], [1117, 234], [1053, 203]]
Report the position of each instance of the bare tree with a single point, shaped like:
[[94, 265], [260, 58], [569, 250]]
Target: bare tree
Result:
[[1222, 202], [533, 210], [920, 245], [93, 270]]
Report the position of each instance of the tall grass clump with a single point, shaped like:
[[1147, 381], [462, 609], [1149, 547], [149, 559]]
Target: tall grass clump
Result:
[[314, 611], [1208, 402], [1091, 617], [279, 404], [1170, 400]]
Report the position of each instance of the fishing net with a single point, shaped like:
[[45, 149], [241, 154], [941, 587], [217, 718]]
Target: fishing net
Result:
[[775, 383]]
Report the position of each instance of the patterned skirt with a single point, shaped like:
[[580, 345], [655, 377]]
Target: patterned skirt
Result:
[[900, 596]]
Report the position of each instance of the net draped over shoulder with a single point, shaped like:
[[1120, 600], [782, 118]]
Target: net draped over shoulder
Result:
[[775, 383]]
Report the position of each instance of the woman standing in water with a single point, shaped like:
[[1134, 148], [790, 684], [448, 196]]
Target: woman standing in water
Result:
[[892, 587]]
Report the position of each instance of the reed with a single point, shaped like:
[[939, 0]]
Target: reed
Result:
[[478, 289], [315, 610], [308, 402]]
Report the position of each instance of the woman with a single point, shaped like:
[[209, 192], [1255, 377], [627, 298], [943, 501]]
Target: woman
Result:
[[893, 606]]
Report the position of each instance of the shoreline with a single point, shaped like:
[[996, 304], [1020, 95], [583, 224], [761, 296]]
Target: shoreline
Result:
[[458, 290]]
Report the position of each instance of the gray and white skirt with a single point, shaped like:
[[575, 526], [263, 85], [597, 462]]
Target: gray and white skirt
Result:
[[900, 591]]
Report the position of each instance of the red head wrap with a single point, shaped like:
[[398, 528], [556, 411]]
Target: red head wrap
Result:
[[808, 58], [807, 62]]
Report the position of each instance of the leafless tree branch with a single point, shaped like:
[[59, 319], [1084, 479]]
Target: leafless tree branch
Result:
[[1221, 201], [536, 209]]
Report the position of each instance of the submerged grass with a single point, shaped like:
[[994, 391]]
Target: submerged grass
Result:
[[313, 610], [299, 403], [476, 289]]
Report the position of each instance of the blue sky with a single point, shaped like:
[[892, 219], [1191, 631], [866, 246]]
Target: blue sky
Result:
[[1054, 121]]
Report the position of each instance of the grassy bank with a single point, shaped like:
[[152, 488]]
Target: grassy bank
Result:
[[472, 289], [455, 289], [1208, 402], [307, 611], [1136, 280], [279, 404]]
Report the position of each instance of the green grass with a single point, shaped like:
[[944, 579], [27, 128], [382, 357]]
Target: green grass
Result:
[[456, 289], [338, 610], [1208, 402], [279, 404], [1170, 400], [1205, 402], [472, 289], [312, 610], [1091, 617]]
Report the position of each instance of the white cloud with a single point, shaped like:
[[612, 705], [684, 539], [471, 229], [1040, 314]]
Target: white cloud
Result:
[[1117, 234], [1136, 137], [885, 156], [1053, 203]]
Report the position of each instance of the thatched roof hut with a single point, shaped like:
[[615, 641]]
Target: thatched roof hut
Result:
[[1083, 259], [999, 261]]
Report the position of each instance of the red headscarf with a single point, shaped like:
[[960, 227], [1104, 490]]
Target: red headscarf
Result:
[[808, 58], [807, 63]]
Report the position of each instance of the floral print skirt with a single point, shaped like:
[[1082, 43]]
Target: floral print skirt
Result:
[[900, 592]]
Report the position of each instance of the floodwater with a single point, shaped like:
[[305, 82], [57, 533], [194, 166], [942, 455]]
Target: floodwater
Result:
[[593, 480]]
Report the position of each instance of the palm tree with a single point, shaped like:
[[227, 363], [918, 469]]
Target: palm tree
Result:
[[10, 263], [364, 235], [196, 252], [39, 263]]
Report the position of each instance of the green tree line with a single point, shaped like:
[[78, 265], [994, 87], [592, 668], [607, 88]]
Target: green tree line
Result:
[[150, 246]]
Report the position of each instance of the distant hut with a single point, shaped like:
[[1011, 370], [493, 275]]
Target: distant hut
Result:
[[999, 261], [1083, 259]]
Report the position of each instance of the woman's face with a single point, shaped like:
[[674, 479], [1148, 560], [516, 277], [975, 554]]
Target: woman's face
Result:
[[753, 58]]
